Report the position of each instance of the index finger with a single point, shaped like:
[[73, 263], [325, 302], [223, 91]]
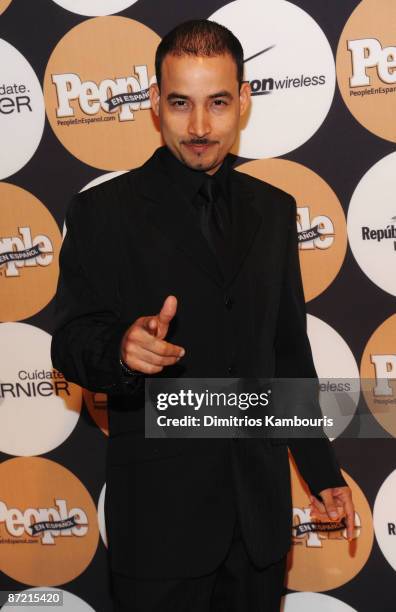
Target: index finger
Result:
[[350, 519], [164, 348], [150, 342]]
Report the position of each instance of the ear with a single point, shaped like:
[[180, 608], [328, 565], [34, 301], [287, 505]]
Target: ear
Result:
[[244, 97], [154, 93]]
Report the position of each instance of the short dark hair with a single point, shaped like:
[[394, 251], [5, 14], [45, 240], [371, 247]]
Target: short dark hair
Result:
[[200, 37]]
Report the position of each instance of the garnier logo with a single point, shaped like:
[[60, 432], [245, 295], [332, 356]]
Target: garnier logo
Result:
[[25, 251], [47, 523], [368, 53], [13, 98], [129, 93], [33, 384]]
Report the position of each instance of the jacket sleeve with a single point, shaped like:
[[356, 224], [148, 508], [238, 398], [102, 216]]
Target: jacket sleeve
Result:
[[315, 457], [88, 328]]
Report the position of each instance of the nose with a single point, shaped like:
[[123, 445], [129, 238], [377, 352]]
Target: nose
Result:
[[199, 125]]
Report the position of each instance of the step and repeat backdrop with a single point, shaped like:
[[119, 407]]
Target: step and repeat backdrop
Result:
[[322, 127]]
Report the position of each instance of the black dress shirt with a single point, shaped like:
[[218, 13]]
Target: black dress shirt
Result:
[[190, 181]]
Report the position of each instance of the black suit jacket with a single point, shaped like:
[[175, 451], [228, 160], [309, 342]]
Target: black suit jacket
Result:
[[132, 241]]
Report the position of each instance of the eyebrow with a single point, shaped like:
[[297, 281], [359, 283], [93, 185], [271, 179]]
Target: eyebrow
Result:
[[219, 94], [174, 95], [222, 94]]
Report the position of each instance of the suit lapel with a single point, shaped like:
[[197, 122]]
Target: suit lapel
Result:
[[246, 222], [173, 215]]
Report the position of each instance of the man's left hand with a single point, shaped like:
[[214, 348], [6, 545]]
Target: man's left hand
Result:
[[337, 503]]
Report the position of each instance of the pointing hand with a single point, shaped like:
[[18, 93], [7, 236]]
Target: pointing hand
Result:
[[143, 346]]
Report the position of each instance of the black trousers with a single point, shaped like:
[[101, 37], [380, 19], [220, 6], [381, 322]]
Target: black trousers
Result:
[[236, 586]]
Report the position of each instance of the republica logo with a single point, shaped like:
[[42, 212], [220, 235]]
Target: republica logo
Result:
[[97, 102], [372, 223], [29, 245], [385, 520], [48, 527], [366, 61], [378, 234], [322, 558], [321, 226]]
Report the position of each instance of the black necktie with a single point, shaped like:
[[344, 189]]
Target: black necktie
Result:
[[213, 218]]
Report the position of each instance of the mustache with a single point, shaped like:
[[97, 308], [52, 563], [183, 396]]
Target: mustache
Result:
[[199, 141]]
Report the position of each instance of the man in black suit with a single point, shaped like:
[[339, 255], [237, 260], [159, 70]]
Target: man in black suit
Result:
[[193, 524]]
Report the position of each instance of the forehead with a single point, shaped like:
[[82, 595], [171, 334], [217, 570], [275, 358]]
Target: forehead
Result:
[[203, 75]]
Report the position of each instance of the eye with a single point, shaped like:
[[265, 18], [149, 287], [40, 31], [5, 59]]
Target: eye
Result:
[[179, 103], [219, 102]]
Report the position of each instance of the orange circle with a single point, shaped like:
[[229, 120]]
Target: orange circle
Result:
[[378, 374], [324, 560], [27, 284], [317, 205], [365, 74], [43, 493], [95, 60], [4, 4]]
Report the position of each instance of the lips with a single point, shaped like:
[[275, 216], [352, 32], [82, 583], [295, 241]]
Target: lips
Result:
[[198, 148]]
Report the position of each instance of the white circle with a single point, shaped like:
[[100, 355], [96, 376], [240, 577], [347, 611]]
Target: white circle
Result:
[[371, 224], [384, 518], [101, 515], [295, 54], [71, 603], [313, 602], [335, 364], [103, 178], [33, 418], [22, 111], [94, 8]]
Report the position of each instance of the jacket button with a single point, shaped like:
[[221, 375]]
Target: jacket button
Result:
[[231, 370], [228, 301]]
